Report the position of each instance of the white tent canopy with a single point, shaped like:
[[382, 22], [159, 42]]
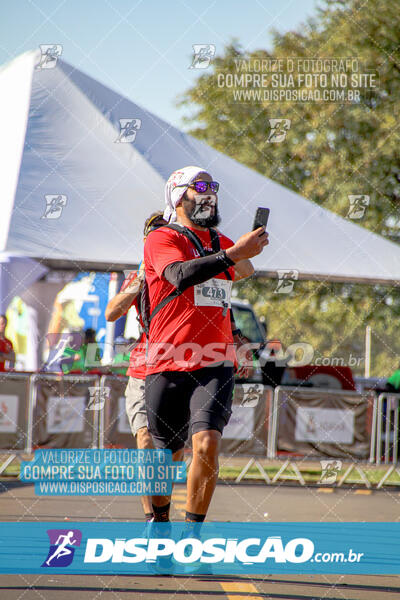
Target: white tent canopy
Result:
[[59, 139]]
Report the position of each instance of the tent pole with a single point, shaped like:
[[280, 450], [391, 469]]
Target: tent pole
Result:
[[367, 366], [110, 326]]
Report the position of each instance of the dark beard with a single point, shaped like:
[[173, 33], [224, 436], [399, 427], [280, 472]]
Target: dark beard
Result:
[[211, 221]]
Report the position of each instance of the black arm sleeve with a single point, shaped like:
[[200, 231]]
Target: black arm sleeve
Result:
[[182, 275]]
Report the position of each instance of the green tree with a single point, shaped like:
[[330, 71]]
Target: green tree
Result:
[[331, 150], [332, 318]]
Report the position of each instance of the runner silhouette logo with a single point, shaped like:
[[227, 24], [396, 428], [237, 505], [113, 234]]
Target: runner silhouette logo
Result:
[[62, 547]]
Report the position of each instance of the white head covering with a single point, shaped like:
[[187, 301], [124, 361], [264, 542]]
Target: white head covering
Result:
[[173, 194]]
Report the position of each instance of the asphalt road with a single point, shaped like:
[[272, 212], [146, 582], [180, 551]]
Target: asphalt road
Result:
[[231, 502]]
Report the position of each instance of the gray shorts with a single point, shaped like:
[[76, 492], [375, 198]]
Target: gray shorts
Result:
[[135, 404]]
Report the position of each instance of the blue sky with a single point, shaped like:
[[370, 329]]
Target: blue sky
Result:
[[143, 48]]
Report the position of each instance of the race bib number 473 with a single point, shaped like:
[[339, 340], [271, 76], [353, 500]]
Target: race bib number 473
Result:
[[214, 292]]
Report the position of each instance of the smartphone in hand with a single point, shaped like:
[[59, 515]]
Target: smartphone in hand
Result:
[[261, 218]]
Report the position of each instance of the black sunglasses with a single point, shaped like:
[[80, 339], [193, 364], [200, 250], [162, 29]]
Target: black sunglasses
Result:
[[202, 186]]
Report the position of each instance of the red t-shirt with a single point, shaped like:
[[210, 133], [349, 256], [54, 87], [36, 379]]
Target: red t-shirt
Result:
[[191, 331], [137, 359], [5, 346]]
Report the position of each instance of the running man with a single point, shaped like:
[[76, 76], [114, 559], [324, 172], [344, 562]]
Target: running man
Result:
[[62, 549], [191, 355], [134, 394]]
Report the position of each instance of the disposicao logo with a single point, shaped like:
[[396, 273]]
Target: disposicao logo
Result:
[[62, 547], [190, 550]]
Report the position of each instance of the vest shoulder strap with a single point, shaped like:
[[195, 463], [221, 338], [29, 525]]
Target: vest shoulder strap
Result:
[[190, 235]]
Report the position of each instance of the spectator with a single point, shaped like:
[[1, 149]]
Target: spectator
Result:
[[83, 359], [6, 347]]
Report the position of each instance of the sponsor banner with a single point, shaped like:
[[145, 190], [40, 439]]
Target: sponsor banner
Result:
[[215, 548], [65, 414], [241, 423], [246, 432], [62, 415], [321, 424], [8, 413], [14, 408], [324, 422], [102, 472], [117, 431]]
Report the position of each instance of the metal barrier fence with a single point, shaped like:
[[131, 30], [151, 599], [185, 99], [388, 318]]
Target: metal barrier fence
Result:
[[387, 435], [15, 416], [387, 429], [321, 423], [114, 428], [64, 410], [15, 413], [83, 411], [247, 430], [46, 410]]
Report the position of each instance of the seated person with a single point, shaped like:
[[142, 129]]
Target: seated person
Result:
[[78, 360]]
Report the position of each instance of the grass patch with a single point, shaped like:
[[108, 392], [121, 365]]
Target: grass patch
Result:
[[11, 471]]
